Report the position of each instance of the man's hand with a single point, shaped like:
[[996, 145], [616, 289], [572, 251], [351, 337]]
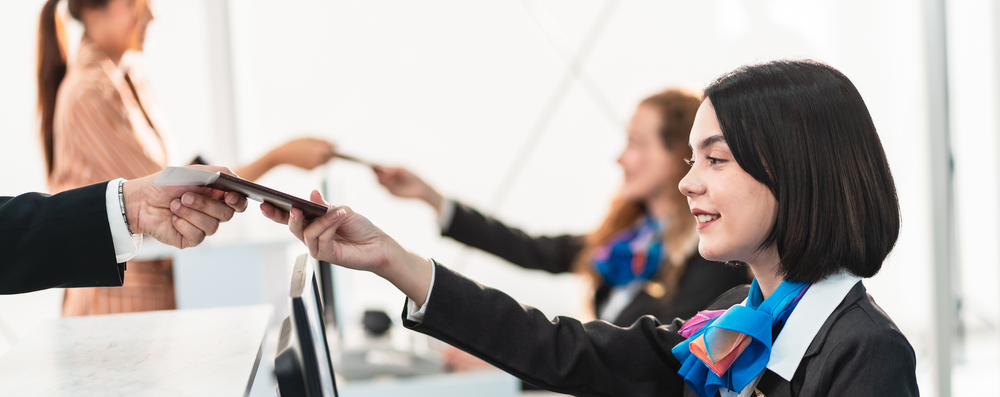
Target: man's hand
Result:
[[181, 216]]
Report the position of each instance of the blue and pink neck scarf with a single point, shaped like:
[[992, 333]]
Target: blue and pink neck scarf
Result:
[[633, 254], [730, 348]]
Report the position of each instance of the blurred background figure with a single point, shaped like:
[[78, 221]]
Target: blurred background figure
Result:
[[99, 122], [642, 260]]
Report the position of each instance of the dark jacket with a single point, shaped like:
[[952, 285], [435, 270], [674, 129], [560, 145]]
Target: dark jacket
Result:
[[62, 240], [858, 351], [701, 282]]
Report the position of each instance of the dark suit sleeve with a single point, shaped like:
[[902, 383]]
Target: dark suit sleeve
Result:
[[562, 354], [62, 240], [552, 254]]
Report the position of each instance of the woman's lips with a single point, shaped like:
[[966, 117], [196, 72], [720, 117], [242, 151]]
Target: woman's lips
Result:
[[706, 220]]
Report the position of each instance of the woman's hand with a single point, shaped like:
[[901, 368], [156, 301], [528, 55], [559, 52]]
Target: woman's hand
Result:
[[305, 153], [403, 183], [346, 238]]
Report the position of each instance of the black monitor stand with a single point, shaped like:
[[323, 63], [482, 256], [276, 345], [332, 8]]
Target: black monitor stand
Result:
[[325, 275], [303, 364]]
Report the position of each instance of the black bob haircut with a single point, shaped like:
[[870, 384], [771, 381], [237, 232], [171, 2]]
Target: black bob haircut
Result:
[[802, 129]]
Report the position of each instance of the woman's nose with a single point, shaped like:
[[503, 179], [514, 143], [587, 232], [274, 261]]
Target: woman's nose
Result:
[[691, 184]]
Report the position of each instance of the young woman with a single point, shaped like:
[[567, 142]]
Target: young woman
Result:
[[788, 176], [98, 122], [643, 259]]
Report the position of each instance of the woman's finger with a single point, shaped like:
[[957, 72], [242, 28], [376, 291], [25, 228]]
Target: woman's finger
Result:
[[317, 198], [273, 213], [326, 242], [311, 234], [296, 223]]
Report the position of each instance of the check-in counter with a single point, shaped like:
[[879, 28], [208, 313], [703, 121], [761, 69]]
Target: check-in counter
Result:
[[204, 352]]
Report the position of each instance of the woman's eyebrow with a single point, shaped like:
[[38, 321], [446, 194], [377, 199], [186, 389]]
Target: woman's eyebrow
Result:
[[709, 141]]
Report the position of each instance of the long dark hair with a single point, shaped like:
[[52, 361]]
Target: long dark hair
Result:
[[802, 129], [52, 65]]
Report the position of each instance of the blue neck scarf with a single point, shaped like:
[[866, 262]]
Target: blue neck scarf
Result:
[[633, 254], [732, 349]]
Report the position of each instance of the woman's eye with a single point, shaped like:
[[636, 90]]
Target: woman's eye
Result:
[[711, 161]]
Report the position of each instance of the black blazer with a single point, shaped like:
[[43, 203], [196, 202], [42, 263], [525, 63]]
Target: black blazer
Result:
[[62, 240], [857, 352], [702, 281]]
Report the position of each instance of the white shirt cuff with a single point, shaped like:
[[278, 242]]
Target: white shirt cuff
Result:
[[417, 314], [126, 244], [445, 214]]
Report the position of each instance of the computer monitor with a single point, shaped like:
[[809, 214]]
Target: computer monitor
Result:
[[303, 364]]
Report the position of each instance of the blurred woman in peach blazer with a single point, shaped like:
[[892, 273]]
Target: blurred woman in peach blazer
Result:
[[98, 122]]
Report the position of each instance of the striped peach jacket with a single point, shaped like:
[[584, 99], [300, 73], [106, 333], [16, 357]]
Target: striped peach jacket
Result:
[[105, 128]]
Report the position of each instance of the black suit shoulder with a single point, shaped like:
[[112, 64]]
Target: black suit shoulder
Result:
[[858, 351], [61, 240]]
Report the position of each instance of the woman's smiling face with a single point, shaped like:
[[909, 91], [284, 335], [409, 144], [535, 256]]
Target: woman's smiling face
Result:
[[735, 212], [648, 166]]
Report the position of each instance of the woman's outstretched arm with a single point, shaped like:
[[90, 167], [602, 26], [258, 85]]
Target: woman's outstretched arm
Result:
[[562, 354], [554, 254]]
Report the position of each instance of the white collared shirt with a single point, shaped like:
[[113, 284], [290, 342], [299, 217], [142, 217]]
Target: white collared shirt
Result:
[[126, 244], [618, 300], [445, 214], [413, 313]]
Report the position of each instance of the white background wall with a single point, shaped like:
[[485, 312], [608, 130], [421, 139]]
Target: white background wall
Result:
[[454, 89]]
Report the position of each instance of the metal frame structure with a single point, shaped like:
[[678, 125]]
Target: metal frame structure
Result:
[[575, 72], [223, 100], [942, 194]]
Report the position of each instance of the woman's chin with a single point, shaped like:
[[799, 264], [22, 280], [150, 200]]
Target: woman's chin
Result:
[[635, 194], [707, 252], [629, 194]]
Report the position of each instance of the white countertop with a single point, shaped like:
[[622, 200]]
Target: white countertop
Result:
[[202, 352], [488, 383]]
